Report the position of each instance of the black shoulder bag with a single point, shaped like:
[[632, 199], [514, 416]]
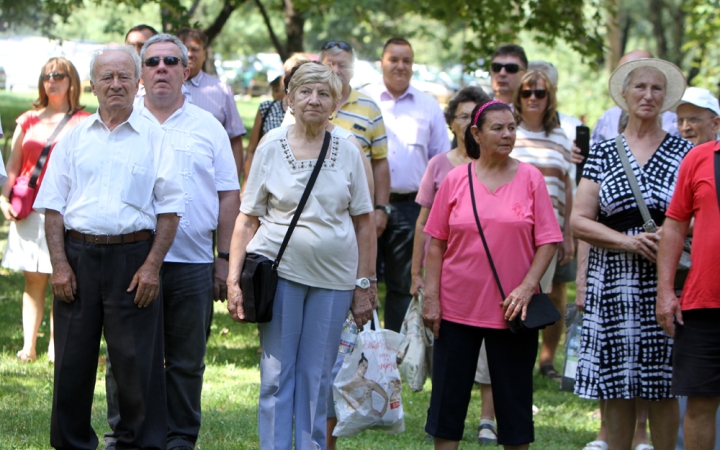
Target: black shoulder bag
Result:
[[259, 277], [540, 311]]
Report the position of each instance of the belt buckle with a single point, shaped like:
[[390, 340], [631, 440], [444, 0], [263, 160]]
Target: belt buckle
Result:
[[99, 241]]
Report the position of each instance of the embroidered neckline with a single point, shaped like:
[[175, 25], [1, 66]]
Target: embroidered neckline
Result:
[[308, 164]]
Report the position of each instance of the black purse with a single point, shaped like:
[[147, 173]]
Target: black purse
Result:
[[541, 312], [259, 277]]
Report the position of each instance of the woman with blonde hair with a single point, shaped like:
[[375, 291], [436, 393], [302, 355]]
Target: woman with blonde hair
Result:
[[325, 269], [542, 143], [54, 113]]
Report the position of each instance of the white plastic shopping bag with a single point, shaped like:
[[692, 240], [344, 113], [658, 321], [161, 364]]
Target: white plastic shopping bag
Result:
[[368, 388], [417, 341]]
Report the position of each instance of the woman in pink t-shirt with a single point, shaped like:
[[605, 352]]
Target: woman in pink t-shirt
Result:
[[463, 305]]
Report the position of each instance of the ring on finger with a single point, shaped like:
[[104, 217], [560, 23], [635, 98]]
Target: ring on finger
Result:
[[512, 303]]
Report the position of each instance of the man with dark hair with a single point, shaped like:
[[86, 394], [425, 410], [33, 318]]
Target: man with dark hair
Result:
[[211, 94], [415, 133], [506, 68], [138, 35]]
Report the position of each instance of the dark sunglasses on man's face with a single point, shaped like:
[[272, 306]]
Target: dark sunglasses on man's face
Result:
[[58, 76], [539, 93], [168, 60], [339, 44], [509, 68]]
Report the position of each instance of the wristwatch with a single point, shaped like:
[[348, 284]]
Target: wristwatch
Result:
[[386, 208], [224, 255], [362, 283]]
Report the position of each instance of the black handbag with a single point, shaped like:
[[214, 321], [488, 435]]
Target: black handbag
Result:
[[541, 312], [259, 277]]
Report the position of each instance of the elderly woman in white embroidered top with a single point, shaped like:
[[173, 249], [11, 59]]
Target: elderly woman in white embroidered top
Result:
[[323, 267]]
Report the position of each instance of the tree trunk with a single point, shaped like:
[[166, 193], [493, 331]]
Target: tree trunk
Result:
[[614, 35], [273, 37], [294, 24], [216, 27], [655, 14]]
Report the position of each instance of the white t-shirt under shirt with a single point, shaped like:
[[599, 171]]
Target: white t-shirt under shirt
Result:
[[552, 155], [323, 250]]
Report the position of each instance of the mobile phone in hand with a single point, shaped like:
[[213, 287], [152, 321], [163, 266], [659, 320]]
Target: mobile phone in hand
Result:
[[582, 141]]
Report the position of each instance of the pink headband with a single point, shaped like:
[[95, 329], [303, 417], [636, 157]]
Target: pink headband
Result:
[[482, 108]]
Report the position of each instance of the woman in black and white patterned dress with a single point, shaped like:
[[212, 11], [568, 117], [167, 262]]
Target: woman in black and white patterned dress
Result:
[[624, 353]]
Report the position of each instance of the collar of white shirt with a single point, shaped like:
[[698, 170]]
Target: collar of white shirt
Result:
[[132, 121]]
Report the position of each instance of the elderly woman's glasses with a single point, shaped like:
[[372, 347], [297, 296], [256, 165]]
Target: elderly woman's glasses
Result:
[[339, 44], [168, 60], [463, 117], [539, 93], [509, 67], [57, 76]]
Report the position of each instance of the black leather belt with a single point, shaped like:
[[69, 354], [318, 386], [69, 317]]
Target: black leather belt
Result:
[[106, 239], [410, 196]]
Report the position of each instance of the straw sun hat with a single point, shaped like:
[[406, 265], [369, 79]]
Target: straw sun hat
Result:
[[675, 81]]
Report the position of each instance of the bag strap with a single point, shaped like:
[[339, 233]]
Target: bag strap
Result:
[[46, 150], [717, 175], [482, 235], [304, 198], [639, 199]]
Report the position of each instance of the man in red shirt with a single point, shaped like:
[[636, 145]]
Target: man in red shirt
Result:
[[693, 319]]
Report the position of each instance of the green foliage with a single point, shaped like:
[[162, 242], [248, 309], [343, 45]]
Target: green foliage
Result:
[[499, 21]]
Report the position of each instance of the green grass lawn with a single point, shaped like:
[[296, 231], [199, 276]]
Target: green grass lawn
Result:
[[232, 378]]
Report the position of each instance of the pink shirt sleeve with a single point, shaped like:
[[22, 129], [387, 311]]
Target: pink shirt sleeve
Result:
[[438, 224]]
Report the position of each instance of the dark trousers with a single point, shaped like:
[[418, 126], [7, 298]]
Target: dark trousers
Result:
[[188, 303], [134, 338], [395, 248], [511, 358]]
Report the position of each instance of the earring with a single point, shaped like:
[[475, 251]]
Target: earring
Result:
[[331, 117]]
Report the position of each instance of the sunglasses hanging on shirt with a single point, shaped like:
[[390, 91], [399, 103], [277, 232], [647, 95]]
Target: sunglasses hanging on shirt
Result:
[[168, 60]]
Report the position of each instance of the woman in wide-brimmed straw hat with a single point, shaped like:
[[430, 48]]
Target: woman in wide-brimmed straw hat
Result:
[[625, 354]]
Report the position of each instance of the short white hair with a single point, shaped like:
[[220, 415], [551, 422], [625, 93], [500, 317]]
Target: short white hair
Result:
[[164, 37], [130, 50]]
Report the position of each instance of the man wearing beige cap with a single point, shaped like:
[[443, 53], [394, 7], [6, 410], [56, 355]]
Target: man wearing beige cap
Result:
[[698, 116]]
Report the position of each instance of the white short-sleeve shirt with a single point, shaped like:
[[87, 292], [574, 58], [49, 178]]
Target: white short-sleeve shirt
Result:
[[206, 166], [323, 250], [112, 182]]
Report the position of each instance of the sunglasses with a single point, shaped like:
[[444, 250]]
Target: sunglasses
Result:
[[339, 44], [168, 60], [509, 68], [539, 93], [57, 76]]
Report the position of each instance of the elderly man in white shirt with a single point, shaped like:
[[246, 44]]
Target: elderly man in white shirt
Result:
[[212, 200], [112, 197]]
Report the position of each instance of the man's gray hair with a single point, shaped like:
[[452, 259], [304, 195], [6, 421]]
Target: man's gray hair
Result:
[[547, 68], [165, 37], [335, 50], [129, 49]]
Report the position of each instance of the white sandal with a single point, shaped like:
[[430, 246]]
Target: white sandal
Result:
[[597, 445], [486, 433], [644, 447]]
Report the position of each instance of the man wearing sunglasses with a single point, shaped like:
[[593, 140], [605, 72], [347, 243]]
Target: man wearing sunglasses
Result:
[[416, 132], [191, 276], [211, 94], [506, 68]]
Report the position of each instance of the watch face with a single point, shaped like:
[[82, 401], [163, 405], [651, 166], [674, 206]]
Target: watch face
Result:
[[364, 283]]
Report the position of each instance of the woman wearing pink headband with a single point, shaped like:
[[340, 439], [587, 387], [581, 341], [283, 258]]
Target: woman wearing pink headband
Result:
[[463, 303]]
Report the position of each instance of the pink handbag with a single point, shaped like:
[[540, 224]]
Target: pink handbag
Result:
[[22, 197], [24, 191]]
